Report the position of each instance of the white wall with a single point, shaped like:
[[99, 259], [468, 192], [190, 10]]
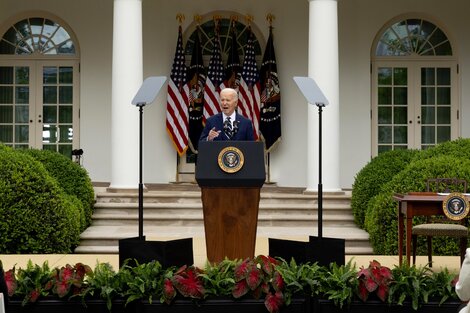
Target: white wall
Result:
[[359, 21]]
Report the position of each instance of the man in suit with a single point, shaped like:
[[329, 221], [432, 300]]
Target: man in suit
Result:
[[228, 124]]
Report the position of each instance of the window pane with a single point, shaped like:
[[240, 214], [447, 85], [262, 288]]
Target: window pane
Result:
[[443, 115], [21, 114], [66, 133], [400, 95], [400, 115], [443, 76], [427, 95], [427, 76], [65, 94], [428, 115], [50, 95], [50, 114], [444, 49], [6, 133], [385, 134], [6, 114], [6, 75], [22, 75], [49, 147], [49, 134], [50, 75], [66, 150], [400, 134], [443, 133], [443, 95], [6, 94], [383, 148], [400, 76], [22, 95], [427, 134], [385, 115], [384, 76], [65, 75], [385, 95], [22, 133], [65, 114]]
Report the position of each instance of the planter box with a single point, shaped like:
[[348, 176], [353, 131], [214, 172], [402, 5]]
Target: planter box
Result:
[[298, 305], [374, 306]]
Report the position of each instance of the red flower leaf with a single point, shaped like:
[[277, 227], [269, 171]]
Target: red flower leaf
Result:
[[382, 292], [240, 289], [266, 264], [189, 284], [254, 277], [362, 292], [34, 295], [273, 302], [370, 284], [169, 291], [278, 282], [241, 270], [62, 288], [10, 279], [374, 263]]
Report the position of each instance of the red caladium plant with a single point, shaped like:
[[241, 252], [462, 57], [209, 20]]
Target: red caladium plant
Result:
[[188, 282], [10, 280], [68, 279], [258, 276], [169, 291], [375, 278]]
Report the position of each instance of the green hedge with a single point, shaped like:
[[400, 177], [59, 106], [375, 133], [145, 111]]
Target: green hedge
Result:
[[369, 181], [37, 216], [72, 178]]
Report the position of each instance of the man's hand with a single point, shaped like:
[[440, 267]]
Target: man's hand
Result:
[[212, 134]]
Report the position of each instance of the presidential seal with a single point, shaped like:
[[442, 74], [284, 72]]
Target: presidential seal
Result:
[[455, 206], [231, 159]]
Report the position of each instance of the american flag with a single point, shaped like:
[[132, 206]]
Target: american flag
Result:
[[249, 92], [177, 100], [233, 68], [215, 76]]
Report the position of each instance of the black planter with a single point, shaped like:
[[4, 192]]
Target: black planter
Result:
[[55, 305], [374, 306]]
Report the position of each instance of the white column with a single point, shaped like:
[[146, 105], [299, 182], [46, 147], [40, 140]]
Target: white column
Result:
[[324, 69], [126, 80]]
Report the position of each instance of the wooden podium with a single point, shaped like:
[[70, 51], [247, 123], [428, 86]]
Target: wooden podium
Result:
[[230, 174]]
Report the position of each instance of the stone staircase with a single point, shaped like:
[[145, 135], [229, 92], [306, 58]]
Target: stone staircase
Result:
[[175, 211]]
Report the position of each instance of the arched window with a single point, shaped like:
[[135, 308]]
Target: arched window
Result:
[[37, 35], [207, 30], [415, 103], [413, 37]]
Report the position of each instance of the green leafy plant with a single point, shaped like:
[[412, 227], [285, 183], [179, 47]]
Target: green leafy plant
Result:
[[340, 284], [275, 280]]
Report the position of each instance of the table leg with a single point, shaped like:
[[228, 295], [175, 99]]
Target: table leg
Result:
[[400, 235], [409, 225]]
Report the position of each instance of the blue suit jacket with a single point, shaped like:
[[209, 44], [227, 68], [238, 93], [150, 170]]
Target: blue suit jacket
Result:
[[245, 128]]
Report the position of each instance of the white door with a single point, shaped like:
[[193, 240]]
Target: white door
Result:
[[414, 104], [39, 104]]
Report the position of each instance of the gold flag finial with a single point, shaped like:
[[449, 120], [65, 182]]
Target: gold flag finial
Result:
[[197, 18], [180, 18], [217, 18], [234, 18], [249, 18], [270, 18]]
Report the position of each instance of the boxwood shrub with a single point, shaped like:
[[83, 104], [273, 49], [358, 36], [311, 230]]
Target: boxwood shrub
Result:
[[71, 177], [369, 181], [381, 217], [36, 214]]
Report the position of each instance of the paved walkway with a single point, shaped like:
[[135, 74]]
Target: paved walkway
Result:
[[58, 260]]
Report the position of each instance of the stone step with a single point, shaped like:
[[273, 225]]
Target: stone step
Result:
[[104, 240], [176, 212]]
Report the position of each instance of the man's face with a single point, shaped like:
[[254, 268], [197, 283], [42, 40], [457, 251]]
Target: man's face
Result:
[[228, 102]]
